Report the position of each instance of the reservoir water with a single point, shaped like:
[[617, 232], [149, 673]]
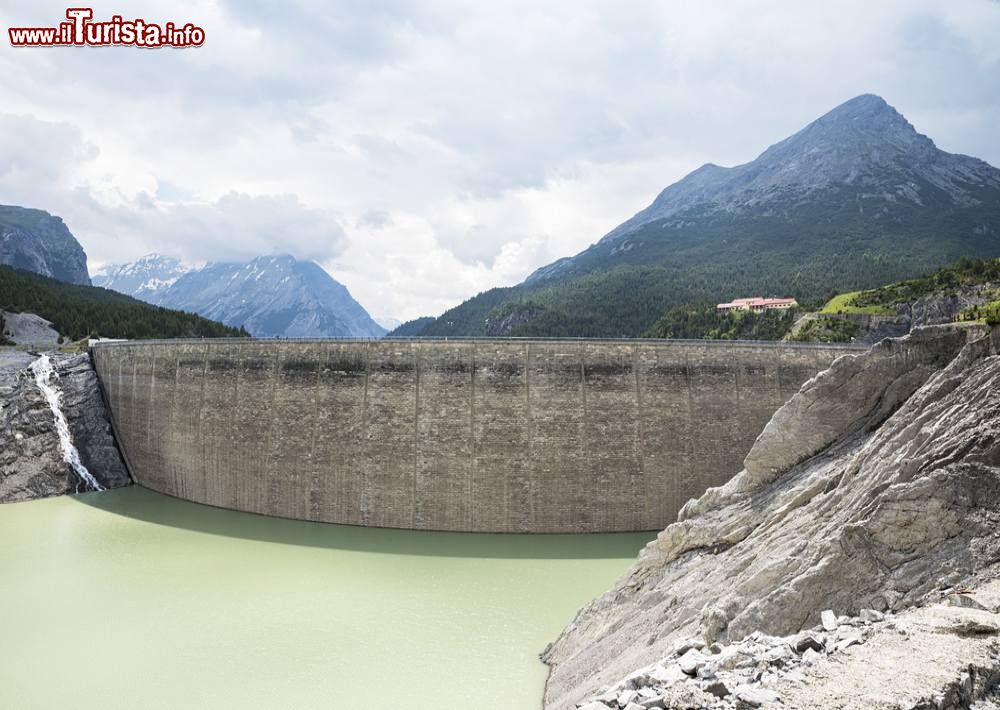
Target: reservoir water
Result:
[[130, 599]]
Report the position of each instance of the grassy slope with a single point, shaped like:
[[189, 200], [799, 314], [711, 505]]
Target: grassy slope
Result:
[[845, 303]]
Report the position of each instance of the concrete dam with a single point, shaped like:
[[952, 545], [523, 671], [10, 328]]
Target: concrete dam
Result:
[[541, 436]]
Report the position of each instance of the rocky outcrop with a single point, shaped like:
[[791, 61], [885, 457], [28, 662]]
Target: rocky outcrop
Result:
[[943, 307], [878, 483], [37, 241], [32, 463], [28, 329], [941, 657], [503, 321], [938, 308]]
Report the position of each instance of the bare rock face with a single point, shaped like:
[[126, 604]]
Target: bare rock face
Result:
[[31, 456], [29, 329], [855, 393], [37, 241], [943, 307], [878, 483]]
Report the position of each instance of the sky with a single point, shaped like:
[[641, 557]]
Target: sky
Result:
[[422, 152]]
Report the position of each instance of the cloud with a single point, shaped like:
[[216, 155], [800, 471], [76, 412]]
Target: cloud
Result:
[[46, 165], [427, 150], [375, 219]]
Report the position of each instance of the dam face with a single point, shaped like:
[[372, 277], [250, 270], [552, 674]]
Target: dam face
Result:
[[561, 436]]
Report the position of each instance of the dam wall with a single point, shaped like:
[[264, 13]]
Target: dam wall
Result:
[[469, 435]]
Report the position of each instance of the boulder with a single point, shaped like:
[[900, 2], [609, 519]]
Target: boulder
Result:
[[805, 641], [829, 620], [717, 688], [682, 646], [754, 696], [870, 616], [691, 661]]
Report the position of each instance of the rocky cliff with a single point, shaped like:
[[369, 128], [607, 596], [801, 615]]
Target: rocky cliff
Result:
[[873, 487], [32, 458], [37, 241]]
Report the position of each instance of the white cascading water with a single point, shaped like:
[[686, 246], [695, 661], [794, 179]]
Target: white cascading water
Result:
[[44, 373]]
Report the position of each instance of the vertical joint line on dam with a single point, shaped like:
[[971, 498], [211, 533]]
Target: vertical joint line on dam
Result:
[[736, 372], [315, 490], [640, 462], [416, 432], [365, 478], [582, 428], [529, 426], [270, 480], [471, 472], [201, 402], [152, 399]]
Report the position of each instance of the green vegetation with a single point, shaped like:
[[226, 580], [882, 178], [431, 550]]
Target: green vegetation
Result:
[[846, 303], [622, 287], [410, 328], [964, 272], [988, 313], [827, 329], [707, 322], [82, 311]]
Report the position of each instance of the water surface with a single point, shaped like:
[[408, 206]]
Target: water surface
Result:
[[130, 599]]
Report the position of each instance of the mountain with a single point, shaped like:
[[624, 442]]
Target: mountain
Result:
[[864, 143], [77, 311], [145, 279], [40, 242], [388, 322], [410, 328], [271, 296], [856, 199]]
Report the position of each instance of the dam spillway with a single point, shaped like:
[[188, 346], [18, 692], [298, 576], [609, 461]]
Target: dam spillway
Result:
[[546, 436]]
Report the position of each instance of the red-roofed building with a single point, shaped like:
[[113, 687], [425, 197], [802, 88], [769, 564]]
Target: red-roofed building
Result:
[[758, 305]]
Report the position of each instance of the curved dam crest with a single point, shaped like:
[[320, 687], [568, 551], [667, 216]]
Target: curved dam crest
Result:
[[545, 436]]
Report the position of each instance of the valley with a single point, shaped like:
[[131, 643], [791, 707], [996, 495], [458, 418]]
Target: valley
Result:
[[235, 462]]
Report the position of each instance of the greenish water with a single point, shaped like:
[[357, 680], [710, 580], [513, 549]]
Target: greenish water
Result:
[[130, 599]]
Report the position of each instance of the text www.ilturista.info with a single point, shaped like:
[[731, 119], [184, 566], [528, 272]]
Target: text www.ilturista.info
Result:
[[82, 31]]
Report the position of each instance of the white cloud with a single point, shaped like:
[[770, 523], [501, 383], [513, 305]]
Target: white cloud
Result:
[[425, 151]]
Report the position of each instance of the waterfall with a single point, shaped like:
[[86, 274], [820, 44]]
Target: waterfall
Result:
[[44, 373]]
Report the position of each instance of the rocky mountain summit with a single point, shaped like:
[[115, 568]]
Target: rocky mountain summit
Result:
[[40, 242], [856, 199], [271, 296], [32, 456], [873, 491], [863, 144], [146, 278]]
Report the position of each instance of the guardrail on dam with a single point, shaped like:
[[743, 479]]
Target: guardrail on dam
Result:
[[472, 435]]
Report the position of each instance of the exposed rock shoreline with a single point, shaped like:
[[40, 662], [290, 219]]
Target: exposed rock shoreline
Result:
[[829, 665], [873, 489], [31, 457]]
